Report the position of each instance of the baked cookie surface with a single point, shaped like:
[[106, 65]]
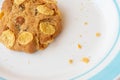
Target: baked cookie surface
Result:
[[29, 25]]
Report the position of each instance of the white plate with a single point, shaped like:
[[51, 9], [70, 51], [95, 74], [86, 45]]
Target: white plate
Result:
[[52, 64]]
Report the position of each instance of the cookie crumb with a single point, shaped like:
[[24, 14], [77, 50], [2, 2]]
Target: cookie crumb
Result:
[[28, 62], [85, 23], [79, 46], [80, 35], [85, 60], [70, 61], [98, 34]]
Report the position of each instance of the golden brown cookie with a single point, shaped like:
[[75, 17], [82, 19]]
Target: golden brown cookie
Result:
[[29, 25]]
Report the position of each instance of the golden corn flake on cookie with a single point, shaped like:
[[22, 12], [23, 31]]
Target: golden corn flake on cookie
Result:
[[29, 25]]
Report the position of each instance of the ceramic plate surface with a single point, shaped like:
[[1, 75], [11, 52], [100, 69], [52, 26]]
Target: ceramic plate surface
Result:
[[94, 24]]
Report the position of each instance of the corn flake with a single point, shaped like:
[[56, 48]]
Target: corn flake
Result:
[[45, 10], [47, 28], [18, 2], [7, 38], [25, 37]]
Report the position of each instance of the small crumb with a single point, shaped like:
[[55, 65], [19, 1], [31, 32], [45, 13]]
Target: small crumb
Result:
[[79, 46], [85, 23], [80, 35], [28, 62], [98, 34], [85, 60], [71, 61]]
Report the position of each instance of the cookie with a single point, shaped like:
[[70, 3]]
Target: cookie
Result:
[[29, 25]]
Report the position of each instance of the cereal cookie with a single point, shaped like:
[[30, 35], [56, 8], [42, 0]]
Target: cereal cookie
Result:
[[29, 25]]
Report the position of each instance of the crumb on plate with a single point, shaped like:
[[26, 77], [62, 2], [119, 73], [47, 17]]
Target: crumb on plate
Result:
[[70, 61], [98, 34], [80, 35], [85, 60], [85, 23], [28, 62], [79, 46]]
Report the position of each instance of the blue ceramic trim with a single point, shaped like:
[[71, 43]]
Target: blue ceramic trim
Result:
[[1, 78], [117, 38], [110, 72]]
